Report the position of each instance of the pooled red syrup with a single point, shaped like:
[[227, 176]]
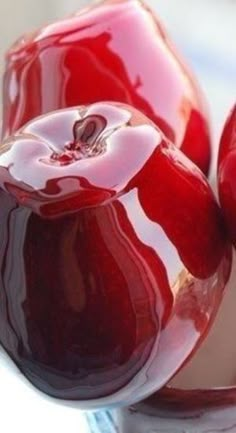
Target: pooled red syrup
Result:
[[113, 260], [114, 51]]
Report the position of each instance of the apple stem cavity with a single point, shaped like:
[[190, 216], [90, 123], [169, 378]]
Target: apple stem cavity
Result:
[[88, 141], [87, 136]]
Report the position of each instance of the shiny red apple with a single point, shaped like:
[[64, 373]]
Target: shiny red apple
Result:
[[113, 258], [114, 51], [227, 173], [202, 396]]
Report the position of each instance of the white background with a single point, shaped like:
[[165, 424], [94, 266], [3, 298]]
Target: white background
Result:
[[205, 32]]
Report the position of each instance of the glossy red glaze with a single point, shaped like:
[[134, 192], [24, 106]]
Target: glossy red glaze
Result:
[[227, 173], [114, 256], [114, 51], [174, 411]]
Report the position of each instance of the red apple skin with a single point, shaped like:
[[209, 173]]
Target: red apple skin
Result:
[[114, 256], [112, 51], [227, 173]]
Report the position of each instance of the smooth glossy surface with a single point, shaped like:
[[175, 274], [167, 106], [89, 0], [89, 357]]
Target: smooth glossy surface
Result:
[[227, 173], [106, 288], [115, 51]]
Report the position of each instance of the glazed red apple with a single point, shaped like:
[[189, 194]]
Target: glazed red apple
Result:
[[227, 173], [114, 51], [113, 254]]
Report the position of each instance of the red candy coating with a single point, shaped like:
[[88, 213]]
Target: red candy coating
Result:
[[113, 254], [111, 51], [227, 173]]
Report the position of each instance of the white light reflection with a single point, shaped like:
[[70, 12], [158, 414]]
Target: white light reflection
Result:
[[153, 235]]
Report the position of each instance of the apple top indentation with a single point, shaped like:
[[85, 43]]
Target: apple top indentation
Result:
[[77, 157]]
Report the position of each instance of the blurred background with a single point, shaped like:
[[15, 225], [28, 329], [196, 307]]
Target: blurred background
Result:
[[205, 33]]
